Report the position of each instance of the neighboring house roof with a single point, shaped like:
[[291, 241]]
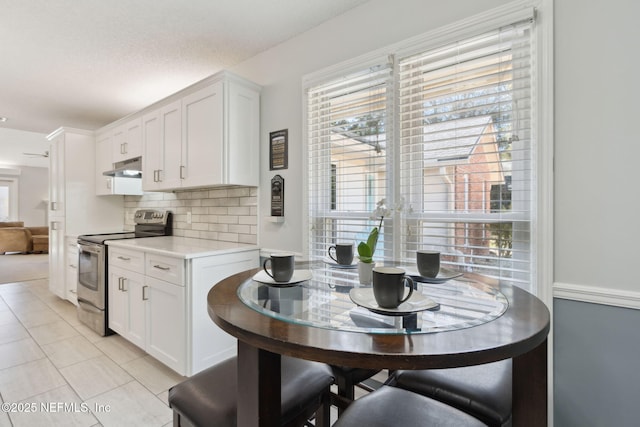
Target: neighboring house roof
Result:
[[453, 139]]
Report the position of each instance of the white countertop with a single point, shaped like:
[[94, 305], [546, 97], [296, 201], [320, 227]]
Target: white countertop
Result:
[[181, 247]]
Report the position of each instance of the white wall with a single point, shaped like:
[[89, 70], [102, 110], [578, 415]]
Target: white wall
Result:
[[31, 186], [33, 194], [369, 27], [597, 198]]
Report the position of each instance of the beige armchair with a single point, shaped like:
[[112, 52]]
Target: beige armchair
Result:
[[39, 239], [15, 237]]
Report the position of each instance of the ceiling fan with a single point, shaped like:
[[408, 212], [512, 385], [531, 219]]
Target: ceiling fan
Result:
[[45, 154]]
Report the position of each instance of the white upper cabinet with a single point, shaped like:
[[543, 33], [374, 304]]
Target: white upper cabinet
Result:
[[242, 135], [205, 136], [127, 140], [162, 137], [104, 162], [152, 155], [202, 152]]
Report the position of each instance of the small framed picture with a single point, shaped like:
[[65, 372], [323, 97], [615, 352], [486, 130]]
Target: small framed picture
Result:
[[277, 196], [279, 150]]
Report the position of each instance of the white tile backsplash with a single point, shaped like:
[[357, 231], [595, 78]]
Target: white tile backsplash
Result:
[[226, 213]]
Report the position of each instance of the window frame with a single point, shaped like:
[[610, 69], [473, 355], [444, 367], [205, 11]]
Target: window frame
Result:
[[542, 227], [12, 184]]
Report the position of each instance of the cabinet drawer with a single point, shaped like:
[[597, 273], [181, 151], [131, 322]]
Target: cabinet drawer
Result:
[[165, 268], [128, 259]]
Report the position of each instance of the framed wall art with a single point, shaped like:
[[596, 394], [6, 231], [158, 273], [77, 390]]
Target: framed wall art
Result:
[[279, 149]]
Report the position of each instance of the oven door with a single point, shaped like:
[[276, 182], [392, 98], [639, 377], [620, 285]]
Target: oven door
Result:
[[91, 274]]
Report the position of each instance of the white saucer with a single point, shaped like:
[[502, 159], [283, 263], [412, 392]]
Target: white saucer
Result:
[[298, 276], [443, 275], [333, 264], [418, 302]]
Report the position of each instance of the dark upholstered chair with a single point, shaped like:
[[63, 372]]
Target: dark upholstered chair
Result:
[[483, 391], [209, 397], [395, 407]]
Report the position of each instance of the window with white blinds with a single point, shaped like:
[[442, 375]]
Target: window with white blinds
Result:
[[348, 129], [444, 137], [465, 122]]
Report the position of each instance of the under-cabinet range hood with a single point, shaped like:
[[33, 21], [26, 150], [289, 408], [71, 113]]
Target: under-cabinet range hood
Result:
[[131, 168]]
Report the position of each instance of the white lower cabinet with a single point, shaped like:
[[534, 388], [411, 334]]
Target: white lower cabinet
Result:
[[127, 311], [165, 337], [71, 275], [161, 305]]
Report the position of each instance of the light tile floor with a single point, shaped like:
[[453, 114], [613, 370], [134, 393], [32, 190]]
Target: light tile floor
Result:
[[54, 371]]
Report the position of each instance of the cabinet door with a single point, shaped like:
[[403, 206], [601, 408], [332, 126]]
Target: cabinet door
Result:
[[56, 177], [71, 270], [118, 300], [133, 286], [171, 143], [133, 147], [104, 162], [127, 140], [127, 310], [152, 160], [118, 147], [243, 135], [202, 148], [166, 336], [57, 257]]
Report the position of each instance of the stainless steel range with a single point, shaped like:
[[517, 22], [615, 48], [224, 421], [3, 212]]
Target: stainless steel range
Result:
[[93, 304]]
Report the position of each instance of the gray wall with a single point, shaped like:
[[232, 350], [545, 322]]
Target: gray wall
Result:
[[597, 365]]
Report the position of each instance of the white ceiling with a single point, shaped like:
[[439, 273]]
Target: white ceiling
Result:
[[86, 63]]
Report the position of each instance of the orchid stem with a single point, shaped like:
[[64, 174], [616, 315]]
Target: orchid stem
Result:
[[380, 226]]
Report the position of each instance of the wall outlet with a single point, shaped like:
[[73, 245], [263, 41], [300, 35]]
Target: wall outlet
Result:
[[188, 217]]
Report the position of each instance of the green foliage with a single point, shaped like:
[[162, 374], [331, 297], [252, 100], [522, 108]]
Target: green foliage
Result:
[[366, 250]]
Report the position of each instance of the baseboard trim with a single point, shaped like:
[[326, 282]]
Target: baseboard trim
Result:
[[597, 295]]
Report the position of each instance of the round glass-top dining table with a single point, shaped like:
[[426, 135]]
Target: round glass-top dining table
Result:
[[328, 316]]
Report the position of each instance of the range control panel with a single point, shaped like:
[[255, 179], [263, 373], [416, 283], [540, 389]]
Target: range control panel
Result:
[[151, 216]]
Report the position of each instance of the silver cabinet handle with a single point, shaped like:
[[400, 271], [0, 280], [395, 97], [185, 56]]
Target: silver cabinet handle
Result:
[[144, 293], [72, 266], [162, 268], [108, 184], [182, 169], [119, 283], [126, 148], [54, 206], [124, 258], [155, 175]]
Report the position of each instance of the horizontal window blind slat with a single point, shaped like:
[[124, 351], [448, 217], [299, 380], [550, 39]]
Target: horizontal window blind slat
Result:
[[465, 162], [347, 123], [464, 159]]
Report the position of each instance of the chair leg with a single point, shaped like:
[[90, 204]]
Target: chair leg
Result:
[[345, 391], [323, 415]]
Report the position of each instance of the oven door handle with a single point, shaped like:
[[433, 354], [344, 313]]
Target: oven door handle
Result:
[[90, 248]]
